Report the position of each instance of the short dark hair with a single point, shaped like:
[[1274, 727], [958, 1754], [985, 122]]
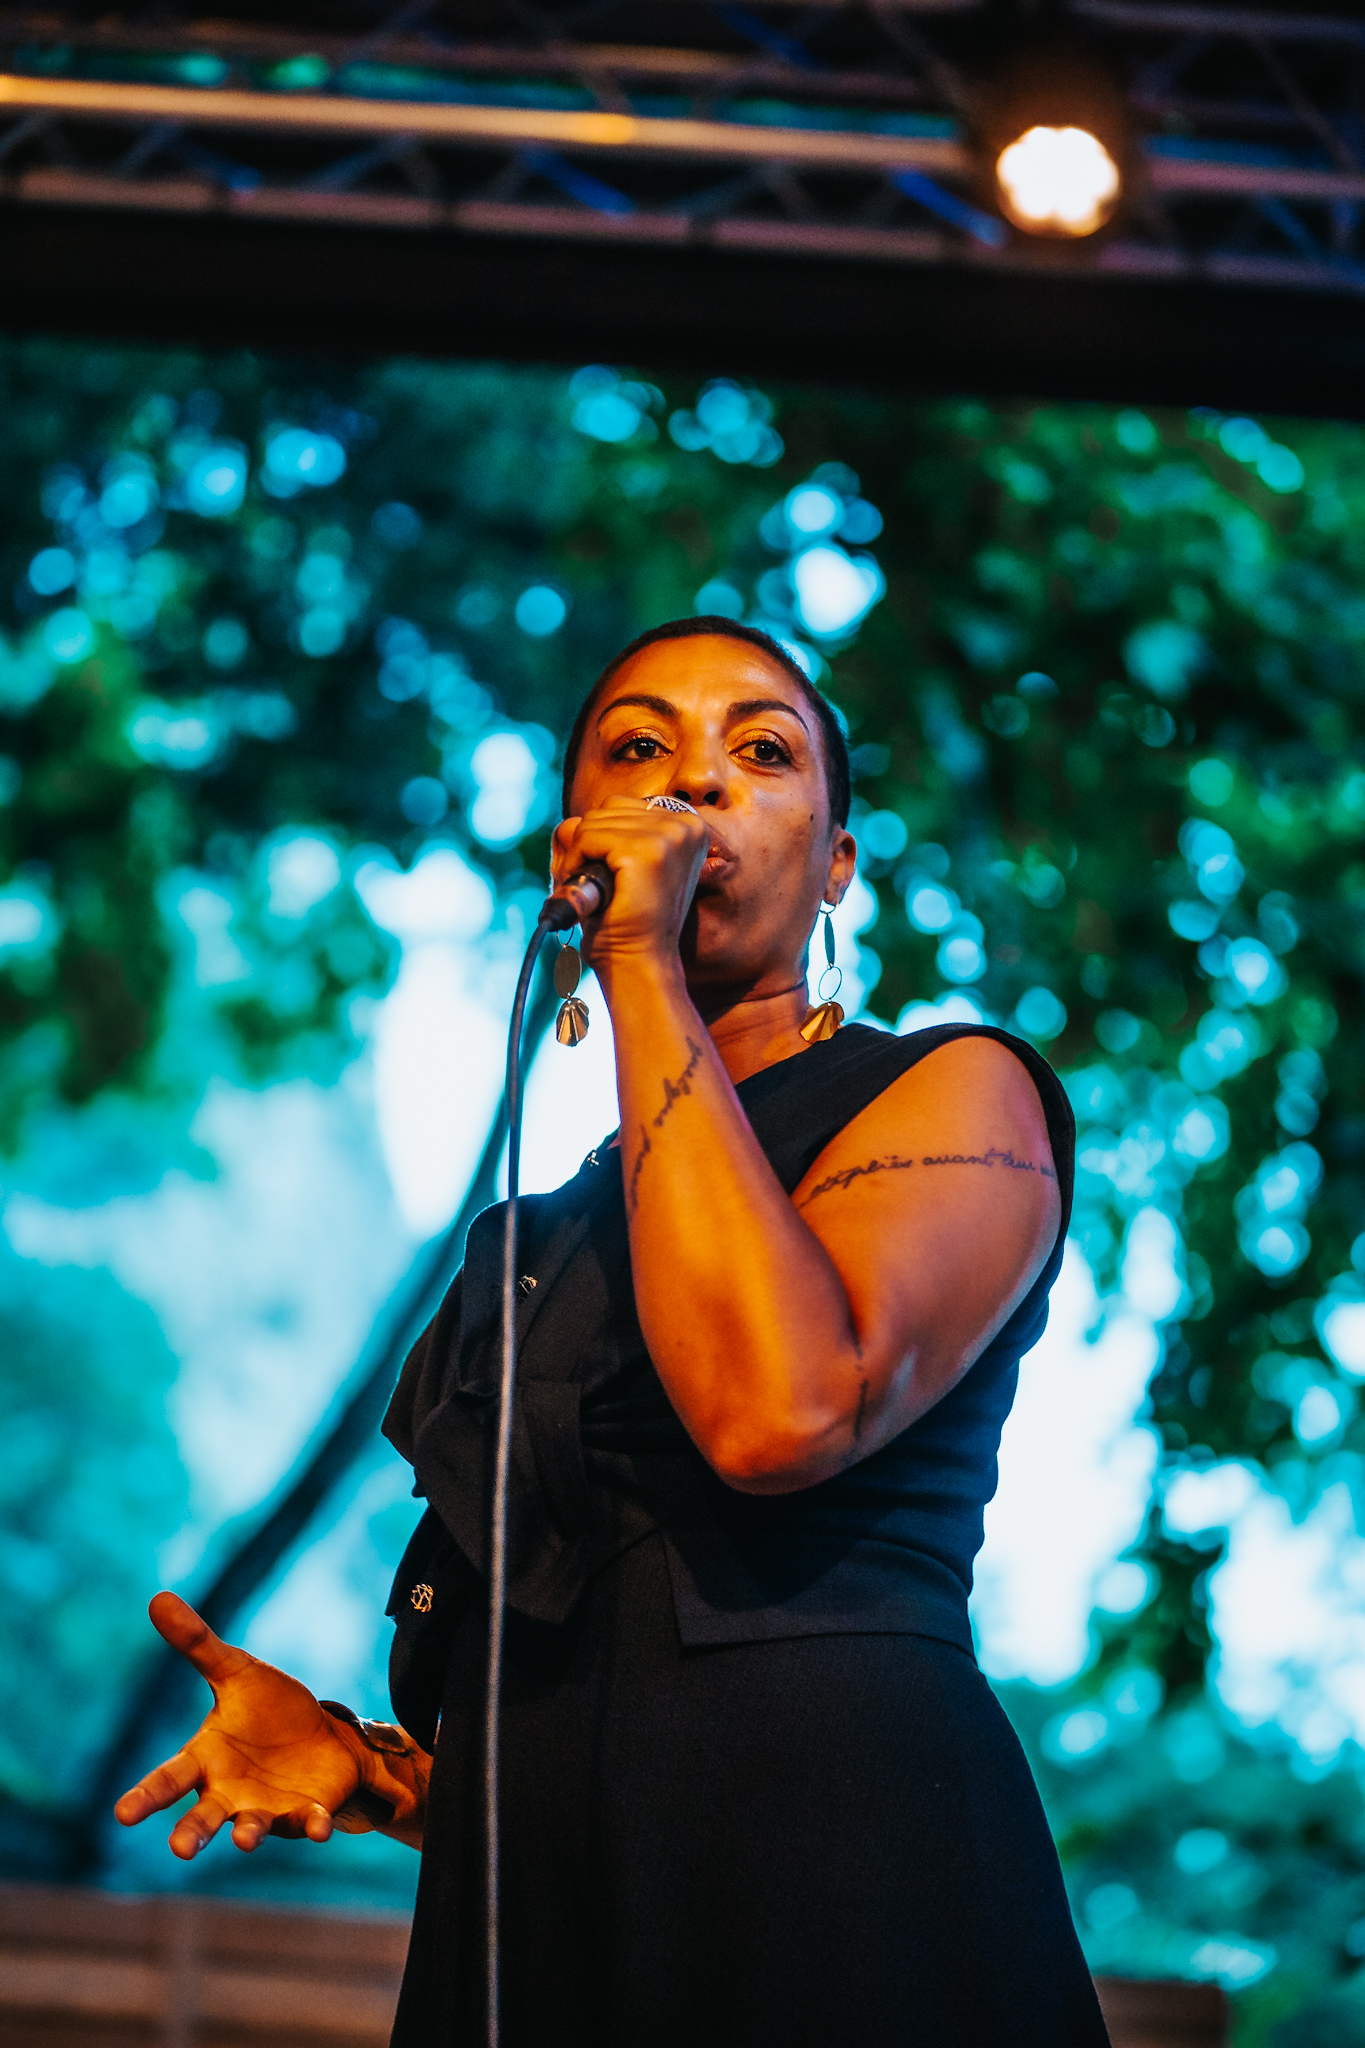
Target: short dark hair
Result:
[[838, 775]]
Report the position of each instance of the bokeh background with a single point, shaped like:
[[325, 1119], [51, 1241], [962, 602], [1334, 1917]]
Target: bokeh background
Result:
[[289, 651]]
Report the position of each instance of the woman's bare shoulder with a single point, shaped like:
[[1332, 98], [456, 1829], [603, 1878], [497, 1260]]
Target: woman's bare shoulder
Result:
[[972, 1070]]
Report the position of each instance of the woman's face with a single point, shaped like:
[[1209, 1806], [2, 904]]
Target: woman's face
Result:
[[718, 723]]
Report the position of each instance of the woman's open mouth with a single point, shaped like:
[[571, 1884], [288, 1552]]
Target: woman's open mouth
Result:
[[719, 861]]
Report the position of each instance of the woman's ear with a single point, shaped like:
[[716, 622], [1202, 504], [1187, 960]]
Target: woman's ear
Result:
[[843, 863]]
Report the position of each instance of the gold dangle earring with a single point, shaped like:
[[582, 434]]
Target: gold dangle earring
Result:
[[571, 1025], [825, 1019]]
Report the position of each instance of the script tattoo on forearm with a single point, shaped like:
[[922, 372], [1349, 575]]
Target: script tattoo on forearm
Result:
[[675, 1090], [635, 1170], [993, 1157]]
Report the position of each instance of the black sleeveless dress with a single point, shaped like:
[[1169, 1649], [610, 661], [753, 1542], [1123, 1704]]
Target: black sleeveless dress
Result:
[[755, 1792]]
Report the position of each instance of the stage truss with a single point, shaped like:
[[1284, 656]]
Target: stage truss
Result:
[[831, 129]]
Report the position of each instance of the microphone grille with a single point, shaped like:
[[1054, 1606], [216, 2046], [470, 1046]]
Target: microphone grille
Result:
[[670, 803]]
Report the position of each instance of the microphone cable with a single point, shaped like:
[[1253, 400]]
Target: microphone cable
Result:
[[582, 896], [497, 1562], [593, 885]]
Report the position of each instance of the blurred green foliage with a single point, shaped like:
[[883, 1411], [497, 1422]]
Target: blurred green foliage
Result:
[[90, 1474], [1106, 717], [1191, 1851]]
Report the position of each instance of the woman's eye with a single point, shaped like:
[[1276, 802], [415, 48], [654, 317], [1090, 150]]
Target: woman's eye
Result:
[[768, 753], [641, 746]]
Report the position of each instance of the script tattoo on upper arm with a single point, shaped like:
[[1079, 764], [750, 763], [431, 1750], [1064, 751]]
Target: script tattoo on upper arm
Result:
[[891, 1162], [846, 1175], [992, 1157]]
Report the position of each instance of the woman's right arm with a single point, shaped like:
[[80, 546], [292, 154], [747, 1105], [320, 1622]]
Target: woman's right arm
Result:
[[271, 1759]]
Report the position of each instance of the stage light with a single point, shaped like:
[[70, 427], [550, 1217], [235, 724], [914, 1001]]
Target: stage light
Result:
[[1055, 139], [1057, 181]]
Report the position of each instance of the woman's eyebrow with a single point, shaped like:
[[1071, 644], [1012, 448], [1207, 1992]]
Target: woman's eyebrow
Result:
[[754, 704], [659, 704]]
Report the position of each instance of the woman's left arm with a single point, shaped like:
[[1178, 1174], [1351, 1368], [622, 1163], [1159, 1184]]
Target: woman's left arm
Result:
[[795, 1335]]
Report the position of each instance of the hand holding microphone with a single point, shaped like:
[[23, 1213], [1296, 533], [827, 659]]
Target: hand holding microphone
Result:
[[589, 889]]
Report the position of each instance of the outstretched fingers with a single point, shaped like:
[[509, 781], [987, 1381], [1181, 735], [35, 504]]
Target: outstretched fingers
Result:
[[308, 1822], [159, 1789], [250, 1828], [197, 1828], [178, 1624]]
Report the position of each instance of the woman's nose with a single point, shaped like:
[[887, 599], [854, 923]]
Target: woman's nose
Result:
[[699, 773]]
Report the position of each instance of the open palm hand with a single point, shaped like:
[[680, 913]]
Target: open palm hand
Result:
[[268, 1757]]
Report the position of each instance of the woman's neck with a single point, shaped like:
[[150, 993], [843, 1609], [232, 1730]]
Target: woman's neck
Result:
[[751, 1031]]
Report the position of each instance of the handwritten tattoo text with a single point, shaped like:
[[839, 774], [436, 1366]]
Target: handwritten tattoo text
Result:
[[635, 1170], [675, 1090], [993, 1157], [893, 1163]]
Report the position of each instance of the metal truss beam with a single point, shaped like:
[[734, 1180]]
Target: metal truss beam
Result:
[[1140, 18], [832, 133], [312, 114], [611, 134], [696, 70], [530, 222], [688, 306]]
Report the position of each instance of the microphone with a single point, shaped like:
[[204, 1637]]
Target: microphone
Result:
[[589, 890], [579, 898]]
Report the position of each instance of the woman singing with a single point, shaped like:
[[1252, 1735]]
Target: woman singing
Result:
[[755, 1792]]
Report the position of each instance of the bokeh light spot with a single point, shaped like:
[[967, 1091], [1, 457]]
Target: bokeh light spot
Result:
[[540, 611], [1211, 782], [423, 800], [961, 959], [301, 871], [297, 459], [225, 643], [1341, 1325], [812, 510], [606, 416], [718, 599], [1200, 1849], [930, 908], [505, 768], [68, 635], [834, 591], [1040, 1014], [51, 570], [321, 631], [215, 484]]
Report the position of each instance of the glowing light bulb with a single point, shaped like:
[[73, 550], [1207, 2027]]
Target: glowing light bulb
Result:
[[1058, 181]]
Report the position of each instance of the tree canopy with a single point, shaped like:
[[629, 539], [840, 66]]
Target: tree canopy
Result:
[[1103, 680]]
